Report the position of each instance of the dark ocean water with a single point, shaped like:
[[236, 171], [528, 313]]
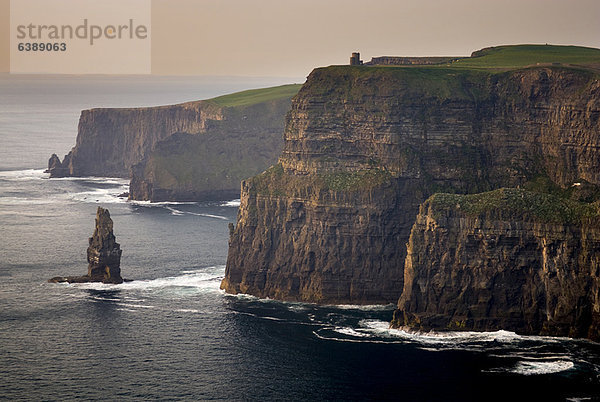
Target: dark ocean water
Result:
[[172, 334]]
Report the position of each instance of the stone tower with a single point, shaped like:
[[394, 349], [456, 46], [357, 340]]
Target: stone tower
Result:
[[355, 59]]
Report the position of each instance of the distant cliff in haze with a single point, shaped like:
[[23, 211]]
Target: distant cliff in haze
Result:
[[122, 142]]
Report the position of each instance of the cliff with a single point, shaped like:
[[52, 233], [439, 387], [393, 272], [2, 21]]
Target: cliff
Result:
[[508, 259], [129, 142], [103, 254], [110, 141], [366, 145], [188, 167]]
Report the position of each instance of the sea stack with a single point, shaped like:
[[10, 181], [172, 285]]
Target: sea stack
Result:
[[56, 168], [103, 254]]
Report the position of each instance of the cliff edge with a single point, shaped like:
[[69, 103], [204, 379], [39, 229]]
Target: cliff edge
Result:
[[190, 151], [508, 259], [366, 145]]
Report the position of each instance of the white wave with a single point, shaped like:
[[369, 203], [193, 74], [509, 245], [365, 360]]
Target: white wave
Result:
[[303, 306], [376, 331], [174, 211], [328, 338], [232, 203], [192, 271], [266, 317], [103, 195], [178, 212], [23, 175], [530, 354], [207, 215], [351, 332], [199, 280], [205, 279], [246, 296], [100, 195], [144, 203], [445, 340], [363, 307], [297, 308], [136, 305], [160, 204], [100, 180], [528, 367], [381, 328], [133, 299], [106, 299]]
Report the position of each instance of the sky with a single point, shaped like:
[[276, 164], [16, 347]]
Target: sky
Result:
[[288, 38]]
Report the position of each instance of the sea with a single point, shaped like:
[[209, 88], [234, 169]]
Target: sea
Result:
[[171, 333]]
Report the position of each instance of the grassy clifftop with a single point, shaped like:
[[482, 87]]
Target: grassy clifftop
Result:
[[470, 78], [518, 56], [518, 204], [255, 96]]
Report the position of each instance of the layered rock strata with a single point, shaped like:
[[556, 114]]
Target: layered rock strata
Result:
[[508, 259], [189, 167], [110, 141], [228, 139], [364, 146]]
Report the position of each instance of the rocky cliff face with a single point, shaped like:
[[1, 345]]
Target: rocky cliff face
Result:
[[218, 143], [110, 141], [188, 167], [509, 259], [103, 254], [303, 238], [364, 146]]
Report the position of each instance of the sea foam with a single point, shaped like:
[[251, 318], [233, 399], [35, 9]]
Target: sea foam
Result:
[[202, 279]]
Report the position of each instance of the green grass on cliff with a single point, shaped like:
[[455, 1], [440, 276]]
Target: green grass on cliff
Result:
[[254, 96], [518, 56], [583, 191], [443, 83], [517, 204], [276, 182], [465, 79]]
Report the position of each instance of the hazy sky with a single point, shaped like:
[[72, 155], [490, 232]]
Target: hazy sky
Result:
[[289, 38]]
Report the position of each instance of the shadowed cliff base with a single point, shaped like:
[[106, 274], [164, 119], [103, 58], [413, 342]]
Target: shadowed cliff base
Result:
[[366, 145]]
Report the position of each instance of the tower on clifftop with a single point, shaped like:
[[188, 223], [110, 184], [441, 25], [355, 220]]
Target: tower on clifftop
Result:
[[355, 59]]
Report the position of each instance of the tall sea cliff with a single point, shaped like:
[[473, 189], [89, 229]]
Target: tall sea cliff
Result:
[[239, 134], [365, 146], [506, 259]]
